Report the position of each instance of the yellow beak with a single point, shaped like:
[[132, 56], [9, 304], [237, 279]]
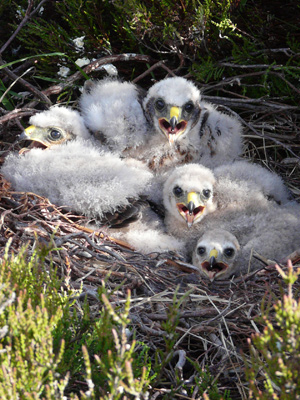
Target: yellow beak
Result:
[[213, 253], [194, 197], [174, 112]]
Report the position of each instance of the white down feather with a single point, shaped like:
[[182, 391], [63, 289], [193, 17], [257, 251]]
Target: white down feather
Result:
[[77, 175], [111, 109]]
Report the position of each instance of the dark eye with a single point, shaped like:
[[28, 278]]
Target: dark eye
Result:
[[201, 250], [177, 191], [229, 252], [189, 107], [206, 193], [159, 104], [55, 134]]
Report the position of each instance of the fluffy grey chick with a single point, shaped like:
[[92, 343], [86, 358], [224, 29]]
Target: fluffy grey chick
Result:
[[54, 127], [215, 254], [273, 234], [79, 176], [195, 197], [185, 129], [112, 111], [245, 175], [75, 173]]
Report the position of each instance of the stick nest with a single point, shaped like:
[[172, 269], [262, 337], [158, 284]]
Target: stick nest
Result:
[[216, 318]]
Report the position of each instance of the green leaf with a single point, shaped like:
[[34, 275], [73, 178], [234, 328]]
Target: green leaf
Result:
[[28, 58]]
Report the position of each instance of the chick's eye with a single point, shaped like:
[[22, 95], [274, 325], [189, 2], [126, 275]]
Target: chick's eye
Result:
[[189, 107], [55, 134], [229, 252], [206, 193], [201, 250], [177, 191], [159, 104]]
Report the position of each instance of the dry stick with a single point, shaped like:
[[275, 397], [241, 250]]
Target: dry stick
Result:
[[251, 104], [17, 113], [149, 70], [285, 80], [204, 312], [13, 83], [56, 89], [286, 50], [26, 84], [266, 66], [260, 134]]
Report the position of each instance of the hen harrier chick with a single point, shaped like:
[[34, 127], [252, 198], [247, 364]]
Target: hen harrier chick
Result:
[[77, 174], [274, 234], [171, 125], [183, 128], [112, 110], [74, 171], [195, 197], [54, 127]]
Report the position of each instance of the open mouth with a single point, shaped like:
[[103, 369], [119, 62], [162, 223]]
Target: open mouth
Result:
[[190, 217], [213, 270], [33, 145], [172, 133]]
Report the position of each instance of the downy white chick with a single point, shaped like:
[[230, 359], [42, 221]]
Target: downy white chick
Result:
[[54, 127], [215, 254], [170, 126], [194, 196], [243, 201], [78, 175], [185, 129], [273, 234], [112, 110]]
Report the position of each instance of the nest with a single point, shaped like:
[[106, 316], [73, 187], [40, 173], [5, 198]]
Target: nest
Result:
[[215, 319]]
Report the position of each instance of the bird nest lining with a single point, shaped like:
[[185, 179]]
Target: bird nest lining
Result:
[[215, 319]]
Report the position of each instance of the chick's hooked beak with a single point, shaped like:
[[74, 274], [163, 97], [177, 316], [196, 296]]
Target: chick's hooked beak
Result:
[[213, 256], [213, 267], [26, 134], [173, 127], [174, 116], [192, 209]]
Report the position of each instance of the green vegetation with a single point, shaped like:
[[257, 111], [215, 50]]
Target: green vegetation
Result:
[[275, 353], [212, 40], [47, 344]]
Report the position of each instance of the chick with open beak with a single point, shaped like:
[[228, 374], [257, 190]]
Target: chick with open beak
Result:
[[215, 254], [173, 125], [54, 127], [191, 205], [188, 198], [45, 137], [175, 121]]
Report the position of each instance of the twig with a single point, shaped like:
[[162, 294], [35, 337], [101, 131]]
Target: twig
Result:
[[26, 18], [56, 89], [263, 136], [26, 84], [149, 70], [250, 66], [248, 103], [17, 113], [181, 361]]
